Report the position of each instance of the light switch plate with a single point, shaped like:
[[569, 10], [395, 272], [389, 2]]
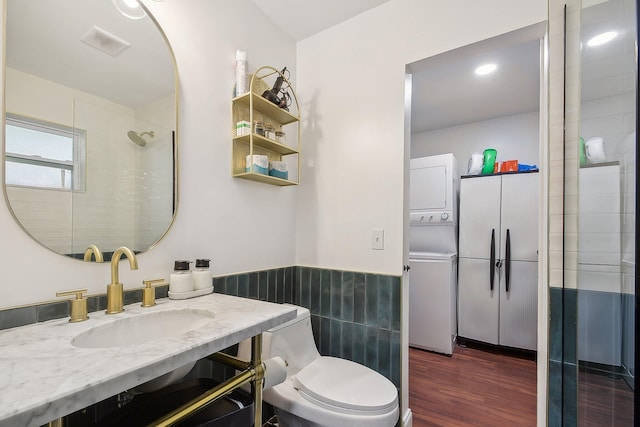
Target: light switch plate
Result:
[[377, 239]]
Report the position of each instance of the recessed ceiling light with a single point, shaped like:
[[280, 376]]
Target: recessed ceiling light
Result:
[[130, 8], [485, 69], [602, 38]]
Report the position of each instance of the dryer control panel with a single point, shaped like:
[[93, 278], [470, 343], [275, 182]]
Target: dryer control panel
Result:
[[432, 218]]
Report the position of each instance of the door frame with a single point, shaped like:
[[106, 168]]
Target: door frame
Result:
[[538, 31]]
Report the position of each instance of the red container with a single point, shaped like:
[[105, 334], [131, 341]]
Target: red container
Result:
[[510, 166], [506, 166]]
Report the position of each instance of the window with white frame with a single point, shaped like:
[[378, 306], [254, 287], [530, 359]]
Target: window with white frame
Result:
[[43, 155]]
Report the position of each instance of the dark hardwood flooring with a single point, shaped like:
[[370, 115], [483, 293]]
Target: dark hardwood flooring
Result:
[[604, 400], [474, 387]]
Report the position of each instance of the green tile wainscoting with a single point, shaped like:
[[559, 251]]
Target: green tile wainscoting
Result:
[[51, 310], [354, 315], [562, 394], [566, 306]]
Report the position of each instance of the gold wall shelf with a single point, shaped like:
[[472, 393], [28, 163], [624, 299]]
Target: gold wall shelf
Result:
[[252, 107]]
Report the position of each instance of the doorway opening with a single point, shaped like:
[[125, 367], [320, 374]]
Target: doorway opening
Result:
[[493, 126]]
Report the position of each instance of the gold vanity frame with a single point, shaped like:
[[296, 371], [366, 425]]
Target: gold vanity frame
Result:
[[251, 372]]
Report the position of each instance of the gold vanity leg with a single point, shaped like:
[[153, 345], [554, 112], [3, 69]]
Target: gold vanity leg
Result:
[[256, 386], [55, 423]]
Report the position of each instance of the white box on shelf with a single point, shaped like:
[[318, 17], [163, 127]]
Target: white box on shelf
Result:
[[260, 164], [278, 169], [243, 127]]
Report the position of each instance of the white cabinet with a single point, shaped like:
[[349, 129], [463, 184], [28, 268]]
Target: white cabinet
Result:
[[497, 272], [478, 304]]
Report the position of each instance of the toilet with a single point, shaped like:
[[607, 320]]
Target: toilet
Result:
[[322, 391]]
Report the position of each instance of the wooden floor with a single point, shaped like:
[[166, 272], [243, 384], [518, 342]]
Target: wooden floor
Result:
[[471, 388], [604, 400]]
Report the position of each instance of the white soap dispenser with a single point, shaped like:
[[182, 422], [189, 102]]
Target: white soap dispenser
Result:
[[202, 278], [181, 280]]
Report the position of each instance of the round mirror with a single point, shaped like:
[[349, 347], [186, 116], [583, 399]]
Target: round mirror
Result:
[[90, 118]]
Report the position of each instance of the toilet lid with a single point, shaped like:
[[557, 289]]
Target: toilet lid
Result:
[[344, 386]]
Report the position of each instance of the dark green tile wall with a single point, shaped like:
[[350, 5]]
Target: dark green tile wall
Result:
[[354, 316], [563, 368], [20, 316]]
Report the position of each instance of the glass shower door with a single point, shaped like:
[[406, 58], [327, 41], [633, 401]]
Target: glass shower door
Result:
[[600, 222]]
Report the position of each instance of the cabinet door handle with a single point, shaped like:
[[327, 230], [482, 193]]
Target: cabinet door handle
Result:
[[492, 262], [406, 267], [507, 260]]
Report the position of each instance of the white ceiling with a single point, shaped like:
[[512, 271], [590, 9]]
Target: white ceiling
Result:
[[43, 39], [446, 92], [301, 19]]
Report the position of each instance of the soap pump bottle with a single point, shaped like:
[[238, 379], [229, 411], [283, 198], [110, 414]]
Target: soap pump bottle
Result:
[[181, 280], [202, 278]]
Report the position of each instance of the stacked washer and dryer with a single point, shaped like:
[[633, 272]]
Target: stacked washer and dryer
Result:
[[434, 188]]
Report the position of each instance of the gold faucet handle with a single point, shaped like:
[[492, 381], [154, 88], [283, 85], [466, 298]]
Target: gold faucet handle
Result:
[[148, 293], [78, 305]]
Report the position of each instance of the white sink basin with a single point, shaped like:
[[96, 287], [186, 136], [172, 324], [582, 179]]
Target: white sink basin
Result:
[[143, 328]]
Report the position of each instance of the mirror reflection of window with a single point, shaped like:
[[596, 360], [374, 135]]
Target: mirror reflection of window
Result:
[[43, 155]]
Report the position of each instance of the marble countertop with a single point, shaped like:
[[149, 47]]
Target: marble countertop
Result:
[[43, 376]]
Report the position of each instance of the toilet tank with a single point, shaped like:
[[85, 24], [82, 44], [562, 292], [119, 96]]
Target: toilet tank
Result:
[[293, 341]]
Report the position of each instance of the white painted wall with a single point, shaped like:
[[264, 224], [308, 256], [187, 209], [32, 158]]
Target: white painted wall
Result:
[[240, 225], [515, 137], [353, 101]]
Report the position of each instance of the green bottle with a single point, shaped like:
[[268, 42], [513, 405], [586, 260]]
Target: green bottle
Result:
[[489, 161]]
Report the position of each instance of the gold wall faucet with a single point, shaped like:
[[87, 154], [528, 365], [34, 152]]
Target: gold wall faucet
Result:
[[93, 250], [114, 289]]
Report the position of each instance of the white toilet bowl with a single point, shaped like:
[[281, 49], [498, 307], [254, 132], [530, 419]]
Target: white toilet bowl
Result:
[[319, 390]]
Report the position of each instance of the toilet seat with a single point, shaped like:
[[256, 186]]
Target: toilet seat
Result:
[[347, 387]]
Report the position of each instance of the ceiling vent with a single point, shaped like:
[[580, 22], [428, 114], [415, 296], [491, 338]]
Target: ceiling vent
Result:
[[104, 41]]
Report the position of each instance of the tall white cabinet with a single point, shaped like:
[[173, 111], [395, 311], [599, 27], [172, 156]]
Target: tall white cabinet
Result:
[[498, 259]]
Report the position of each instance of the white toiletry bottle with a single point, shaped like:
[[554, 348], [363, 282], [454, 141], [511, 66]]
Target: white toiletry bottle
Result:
[[181, 280], [202, 275], [241, 72]]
